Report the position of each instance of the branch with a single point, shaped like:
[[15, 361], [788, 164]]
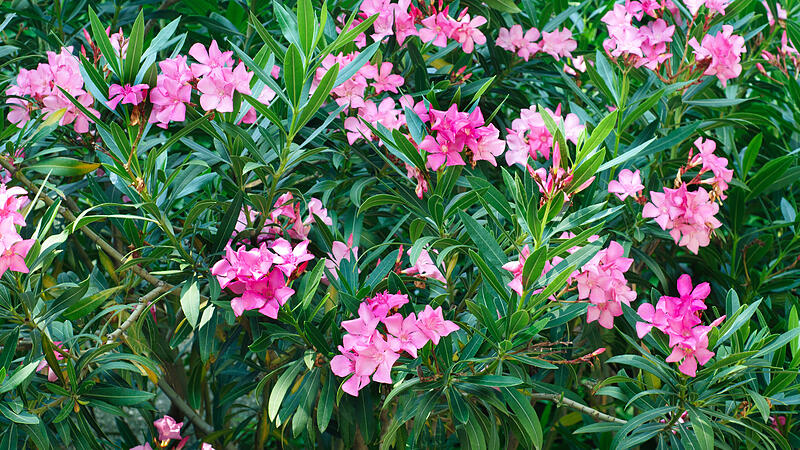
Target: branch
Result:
[[144, 301], [560, 400], [198, 421]]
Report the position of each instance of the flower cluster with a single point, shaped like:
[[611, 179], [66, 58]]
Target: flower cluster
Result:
[[785, 56], [689, 215], [285, 217], [646, 45], [720, 54], [369, 353], [602, 282], [529, 136], [41, 89], [455, 131], [679, 318], [555, 43], [260, 275], [401, 19], [13, 248]]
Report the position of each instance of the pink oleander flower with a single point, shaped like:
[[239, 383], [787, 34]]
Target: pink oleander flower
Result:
[[425, 268], [515, 267], [266, 295], [629, 184], [315, 208], [340, 251], [384, 302], [436, 29], [488, 145], [431, 323], [443, 151], [679, 318], [167, 428], [403, 21], [724, 51], [715, 164], [559, 43], [419, 177], [689, 216], [529, 137], [466, 33], [384, 80], [12, 200], [217, 94], [343, 365], [287, 258], [169, 99], [782, 15], [131, 95], [210, 61], [524, 45], [404, 334]]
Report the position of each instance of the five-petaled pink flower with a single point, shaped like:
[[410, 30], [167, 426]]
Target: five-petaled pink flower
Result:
[[629, 184], [167, 428]]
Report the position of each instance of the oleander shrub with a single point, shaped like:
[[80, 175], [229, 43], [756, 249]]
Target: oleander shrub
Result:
[[399, 224]]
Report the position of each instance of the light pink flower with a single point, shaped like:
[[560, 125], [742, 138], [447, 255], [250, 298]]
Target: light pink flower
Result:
[[425, 268], [559, 43], [436, 29], [431, 323], [167, 428], [210, 61], [629, 184]]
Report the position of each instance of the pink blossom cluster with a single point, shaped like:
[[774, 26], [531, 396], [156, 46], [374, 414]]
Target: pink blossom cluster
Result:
[[556, 180], [13, 248], [556, 43], [529, 137], [787, 54], [453, 132], [401, 19], [689, 215], [720, 54], [679, 318], [260, 274], [601, 280], [368, 353], [646, 45], [215, 75], [38, 89], [359, 93]]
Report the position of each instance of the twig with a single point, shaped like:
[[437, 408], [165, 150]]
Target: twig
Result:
[[144, 301], [198, 421], [560, 400]]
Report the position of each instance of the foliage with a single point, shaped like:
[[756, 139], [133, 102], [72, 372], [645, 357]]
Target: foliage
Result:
[[214, 240]]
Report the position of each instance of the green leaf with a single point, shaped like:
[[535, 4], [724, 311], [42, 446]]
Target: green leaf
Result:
[[63, 166], [506, 6], [133, 53], [190, 301], [104, 43], [767, 175], [357, 63], [458, 406], [228, 223], [318, 98], [702, 429], [307, 24], [378, 200], [20, 417], [294, 75], [90, 303], [326, 402], [599, 134], [18, 376], [288, 23], [491, 380], [119, 396], [312, 282], [750, 154], [282, 385], [525, 415], [642, 108], [484, 241]]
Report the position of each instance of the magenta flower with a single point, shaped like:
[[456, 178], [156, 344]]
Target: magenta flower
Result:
[[130, 95], [436, 29], [167, 428], [629, 184], [442, 151], [431, 323], [724, 51], [466, 33], [169, 99], [404, 334], [384, 302]]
